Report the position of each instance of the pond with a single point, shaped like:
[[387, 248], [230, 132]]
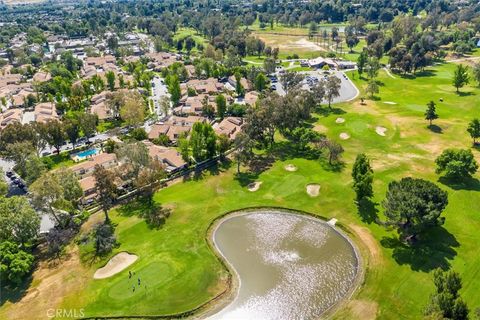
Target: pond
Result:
[[289, 266]]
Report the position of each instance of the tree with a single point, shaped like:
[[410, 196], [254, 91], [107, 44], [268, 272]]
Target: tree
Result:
[[173, 84], [373, 65], [3, 184], [239, 89], [133, 111], [474, 130], [456, 163], [105, 238], [260, 82], [72, 191], [362, 175], [361, 62], [72, 130], [88, 123], [19, 223], [269, 65], [106, 189], [335, 150], [149, 179], [202, 141], [55, 134], [110, 75], [221, 105], [460, 77], [47, 194], [134, 156], [476, 73], [15, 263], [446, 303], [243, 149], [414, 205], [332, 88], [291, 80], [431, 113], [223, 144], [372, 87], [34, 168]]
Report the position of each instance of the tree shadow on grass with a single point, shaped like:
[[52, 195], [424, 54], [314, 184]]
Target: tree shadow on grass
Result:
[[466, 94], [435, 129], [246, 178], [469, 183], [284, 150], [367, 210], [326, 111], [434, 250], [419, 74], [12, 293]]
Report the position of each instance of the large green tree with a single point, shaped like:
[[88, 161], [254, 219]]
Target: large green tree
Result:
[[460, 77], [19, 223], [414, 205], [456, 163], [106, 189], [15, 263], [362, 175], [474, 130]]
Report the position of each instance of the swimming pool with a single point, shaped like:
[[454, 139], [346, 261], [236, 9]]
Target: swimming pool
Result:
[[84, 154]]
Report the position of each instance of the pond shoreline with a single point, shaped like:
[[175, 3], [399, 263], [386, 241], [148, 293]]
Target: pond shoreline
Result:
[[225, 298]]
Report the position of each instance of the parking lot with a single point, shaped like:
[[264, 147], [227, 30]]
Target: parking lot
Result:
[[348, 91]]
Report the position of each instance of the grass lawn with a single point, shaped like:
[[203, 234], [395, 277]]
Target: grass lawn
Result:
[[181, 272], [58, 160]]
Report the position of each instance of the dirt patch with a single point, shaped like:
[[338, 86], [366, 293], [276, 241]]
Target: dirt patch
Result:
[[363, 309], [320, 128], [340, 120], [290, 167], [313, 189], [116, 264], [344, 136], [370, 242], [52, 281], [381, 131], [254, 186]]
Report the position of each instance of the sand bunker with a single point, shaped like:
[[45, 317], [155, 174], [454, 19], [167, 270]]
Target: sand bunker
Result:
[[254, 186], [390, 102], [116, 264], [313, 189], [290, 167], [340, 120], [381, 131], [344, 136]]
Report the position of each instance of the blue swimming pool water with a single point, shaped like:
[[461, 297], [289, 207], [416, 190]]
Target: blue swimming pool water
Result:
[[87, 153]]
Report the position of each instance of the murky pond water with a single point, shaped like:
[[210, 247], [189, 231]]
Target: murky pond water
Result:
[[290, 266]]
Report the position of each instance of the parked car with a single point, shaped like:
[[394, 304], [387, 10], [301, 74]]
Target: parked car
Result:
[[9, 174], [274, 87]]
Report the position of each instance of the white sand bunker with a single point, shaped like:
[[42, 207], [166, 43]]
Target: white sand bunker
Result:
[[381, 131], [116, 264], [344, 136], [390, 102], [340, 120], [290, 167], [313, 189], [254, 186]]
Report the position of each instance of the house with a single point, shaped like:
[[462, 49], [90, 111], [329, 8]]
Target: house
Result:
[[244, 82], [160, 60], [230, 126], [85, 169], [42, 76], [175, 127], [100, 107], [320, 62], [45, 111], [7, 79], [194, 104], [88, 186], [346, 64], [10, 116], [210, 86], [169, 157]]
